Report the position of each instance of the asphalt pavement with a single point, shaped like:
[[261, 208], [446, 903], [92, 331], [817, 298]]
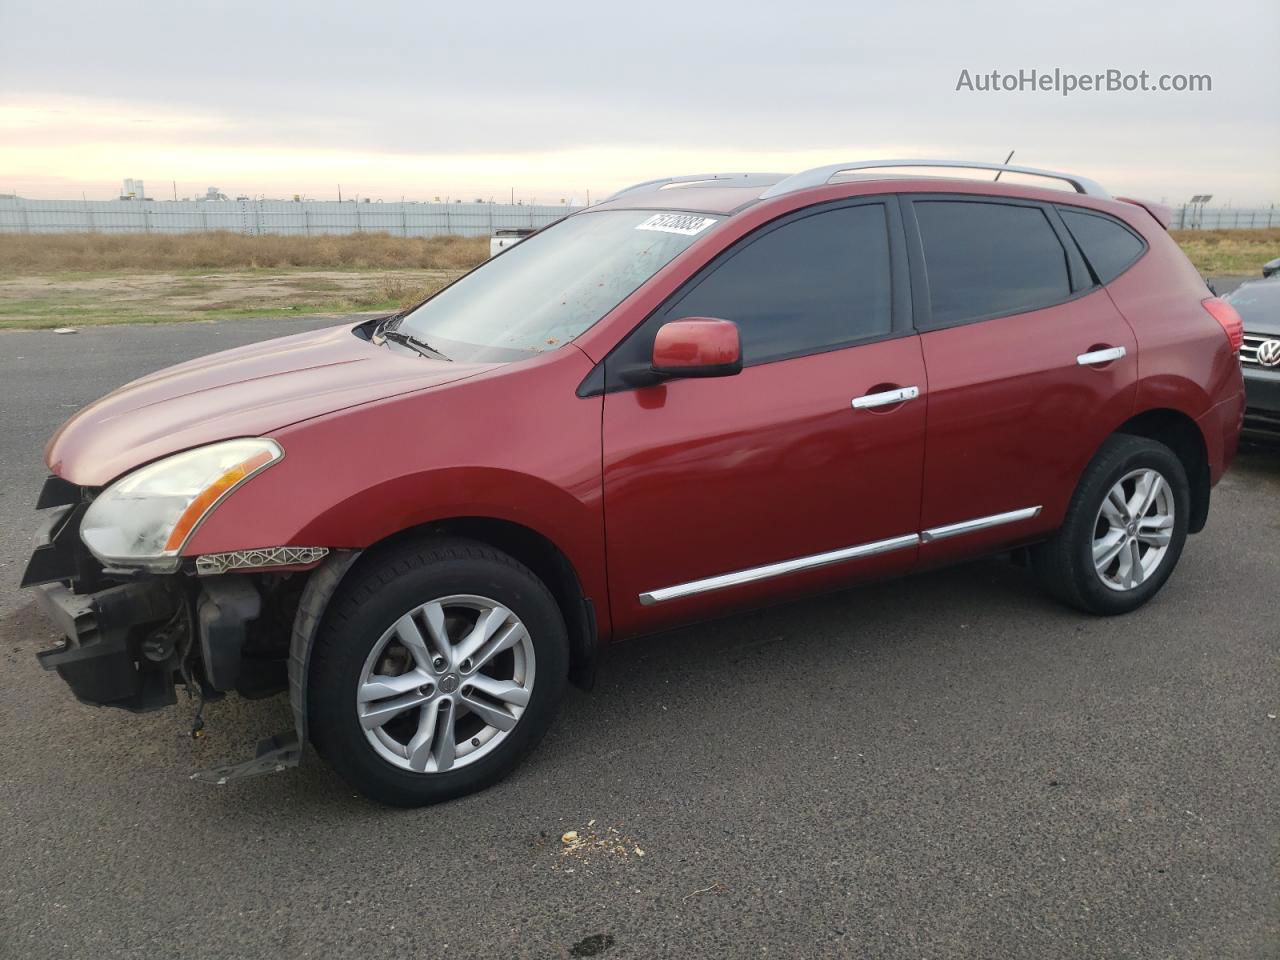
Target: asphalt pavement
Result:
[[949, 765]]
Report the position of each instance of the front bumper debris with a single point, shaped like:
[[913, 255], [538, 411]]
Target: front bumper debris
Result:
[[129, 639], [274, 755], [101, 658]]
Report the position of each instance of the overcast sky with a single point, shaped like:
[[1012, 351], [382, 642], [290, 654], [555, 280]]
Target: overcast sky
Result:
[[558, 97]]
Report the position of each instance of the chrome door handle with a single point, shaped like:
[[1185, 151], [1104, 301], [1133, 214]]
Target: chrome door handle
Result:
[[1100, 356], [885, 398]]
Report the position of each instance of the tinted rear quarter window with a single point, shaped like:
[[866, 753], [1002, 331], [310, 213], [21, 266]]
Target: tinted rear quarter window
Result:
[[805, 286], [988, 259], [1109, 247]]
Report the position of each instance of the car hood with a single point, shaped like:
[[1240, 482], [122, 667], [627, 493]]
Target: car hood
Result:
[[248, 391], [1258, 303]]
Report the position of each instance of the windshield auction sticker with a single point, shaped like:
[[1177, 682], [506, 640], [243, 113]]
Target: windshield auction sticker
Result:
[[681, 223]]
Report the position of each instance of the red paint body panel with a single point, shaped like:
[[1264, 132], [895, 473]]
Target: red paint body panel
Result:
[[1186, 363], [1013, 419], [244, 392], [706, 477], [649, 488], [514, 444]]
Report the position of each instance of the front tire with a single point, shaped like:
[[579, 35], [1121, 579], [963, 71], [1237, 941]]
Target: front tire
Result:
[[435, 671], [1124, 530]]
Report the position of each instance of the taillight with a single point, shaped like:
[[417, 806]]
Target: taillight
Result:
[[1226, 315]]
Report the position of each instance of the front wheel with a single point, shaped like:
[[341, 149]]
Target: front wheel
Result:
[[435, 672], [1124, 530]]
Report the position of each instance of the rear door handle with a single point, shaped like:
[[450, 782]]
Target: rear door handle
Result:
[[1100, 356], [887, 397]]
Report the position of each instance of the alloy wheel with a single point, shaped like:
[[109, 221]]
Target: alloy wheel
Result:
[[1133, 529], [445, 684]]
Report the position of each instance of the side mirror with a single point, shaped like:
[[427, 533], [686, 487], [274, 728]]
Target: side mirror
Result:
[[697, 347]]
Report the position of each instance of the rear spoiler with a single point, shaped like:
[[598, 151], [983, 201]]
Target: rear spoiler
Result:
[[1163, 214]]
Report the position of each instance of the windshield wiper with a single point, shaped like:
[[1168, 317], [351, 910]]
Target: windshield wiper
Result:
[[407, 340]]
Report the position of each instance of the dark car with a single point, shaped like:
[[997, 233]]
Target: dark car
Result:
[[1258, 303], [705, 394]]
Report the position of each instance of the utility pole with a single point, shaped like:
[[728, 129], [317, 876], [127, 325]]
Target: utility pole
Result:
[[339, 193], [175, 189]]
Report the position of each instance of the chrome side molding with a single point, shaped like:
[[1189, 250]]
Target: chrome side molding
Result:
[[887, 397], [777, 569], [770, 570], [1100, 356], [978, 523]]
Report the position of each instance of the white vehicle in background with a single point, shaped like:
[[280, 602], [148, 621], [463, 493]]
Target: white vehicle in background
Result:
[[502, 239]]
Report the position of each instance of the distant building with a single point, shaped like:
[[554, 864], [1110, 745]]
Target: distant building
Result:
[[212, 193], [133, 190]]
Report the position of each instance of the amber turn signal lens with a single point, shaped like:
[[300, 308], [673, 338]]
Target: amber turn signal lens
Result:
[[211, 495]]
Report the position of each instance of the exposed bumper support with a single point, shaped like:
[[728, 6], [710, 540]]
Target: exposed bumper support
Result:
[[284, 750], [101, 659]]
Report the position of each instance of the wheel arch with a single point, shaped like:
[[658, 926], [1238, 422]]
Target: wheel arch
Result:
[[536, 551], [549, 563], [1181, 434]]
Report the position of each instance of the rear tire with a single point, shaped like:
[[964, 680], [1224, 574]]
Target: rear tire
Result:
[[1124, 530], [436, 670]]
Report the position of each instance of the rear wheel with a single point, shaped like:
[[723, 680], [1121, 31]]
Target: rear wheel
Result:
[[1124, 530], [435, 672]]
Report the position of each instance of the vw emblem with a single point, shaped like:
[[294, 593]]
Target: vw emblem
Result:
[[449, 684], [1269, 353]]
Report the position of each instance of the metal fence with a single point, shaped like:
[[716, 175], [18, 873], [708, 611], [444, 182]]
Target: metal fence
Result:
[[1195, 217], [402, 219], [302, 218]]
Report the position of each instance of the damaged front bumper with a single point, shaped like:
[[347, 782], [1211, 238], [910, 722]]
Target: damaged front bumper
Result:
[[129, 639], [118, 635], [102, 658]]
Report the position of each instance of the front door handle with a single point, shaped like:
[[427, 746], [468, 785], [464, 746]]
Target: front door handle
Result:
[[885, 398], [1100, 356]]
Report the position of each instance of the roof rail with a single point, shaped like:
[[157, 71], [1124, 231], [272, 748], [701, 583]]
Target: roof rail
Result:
[[819, 176], [752, 179]]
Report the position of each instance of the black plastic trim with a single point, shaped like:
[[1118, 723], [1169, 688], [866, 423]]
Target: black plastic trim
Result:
[[1097, 278], [101, 661], [57, 492]]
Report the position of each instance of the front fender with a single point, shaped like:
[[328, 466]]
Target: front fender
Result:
[[351, 479]]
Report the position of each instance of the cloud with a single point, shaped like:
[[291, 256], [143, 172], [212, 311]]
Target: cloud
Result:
[[564, 96]]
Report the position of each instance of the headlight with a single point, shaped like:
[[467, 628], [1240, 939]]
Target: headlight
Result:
[[143, 519]]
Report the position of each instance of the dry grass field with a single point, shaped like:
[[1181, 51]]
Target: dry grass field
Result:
[[1229, 252], [151, 253], [54, 280]]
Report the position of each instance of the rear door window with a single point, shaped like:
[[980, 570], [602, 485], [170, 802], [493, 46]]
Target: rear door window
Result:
[[989, 259], [1109, 247]]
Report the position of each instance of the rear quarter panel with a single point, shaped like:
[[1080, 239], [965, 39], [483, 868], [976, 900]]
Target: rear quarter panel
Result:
[[1185, 362]]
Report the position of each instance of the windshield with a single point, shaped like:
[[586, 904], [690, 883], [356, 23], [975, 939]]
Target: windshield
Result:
[[546, 290]]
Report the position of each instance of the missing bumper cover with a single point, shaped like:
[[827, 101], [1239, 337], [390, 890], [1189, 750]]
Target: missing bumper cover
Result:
[[101, 658]]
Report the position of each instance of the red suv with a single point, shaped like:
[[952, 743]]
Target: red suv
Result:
[[704, 394]]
